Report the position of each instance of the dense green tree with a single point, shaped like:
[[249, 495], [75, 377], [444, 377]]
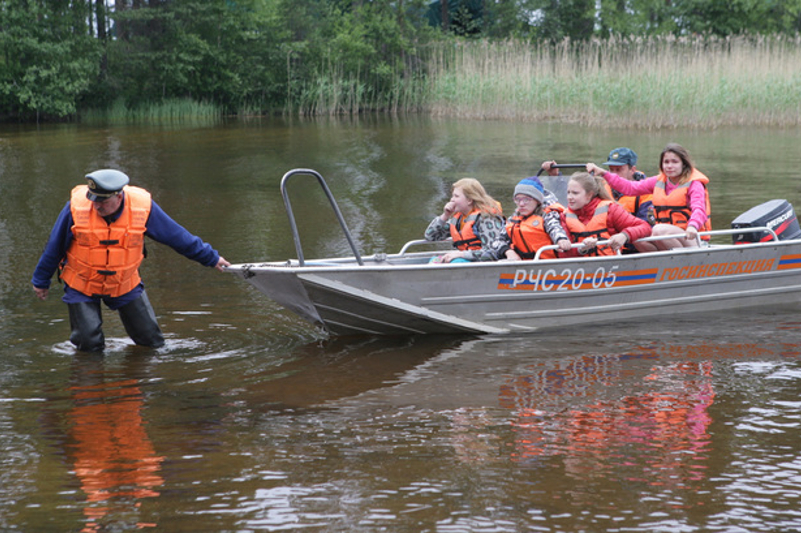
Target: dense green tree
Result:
[[718, 17], [220, 51], [505, 19], [637, 17], [785, 14], [708, 17], [733, 17], [558, 19], [465, 18], [48, 56], [369, 46]]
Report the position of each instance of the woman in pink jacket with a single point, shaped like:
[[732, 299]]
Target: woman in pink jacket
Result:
[[680, 198]]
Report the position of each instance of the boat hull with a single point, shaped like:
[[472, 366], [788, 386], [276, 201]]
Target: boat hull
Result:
[[403, 295]]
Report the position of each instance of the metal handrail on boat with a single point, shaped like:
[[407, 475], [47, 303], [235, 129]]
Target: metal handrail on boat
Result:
[[737, 231], [334, 206], [572, 245], [419, 242], [717, 232]]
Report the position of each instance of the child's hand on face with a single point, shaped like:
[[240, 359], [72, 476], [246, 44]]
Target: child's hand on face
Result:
[[448, 210]]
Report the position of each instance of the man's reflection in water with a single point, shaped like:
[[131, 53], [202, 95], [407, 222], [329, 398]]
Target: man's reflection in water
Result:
[[113, 456]]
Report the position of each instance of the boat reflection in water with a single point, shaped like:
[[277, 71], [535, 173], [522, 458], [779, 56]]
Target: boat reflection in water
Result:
[[645, 413], [672, 423], [113, 456]]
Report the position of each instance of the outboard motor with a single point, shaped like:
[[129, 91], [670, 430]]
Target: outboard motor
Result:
[[777, 215]]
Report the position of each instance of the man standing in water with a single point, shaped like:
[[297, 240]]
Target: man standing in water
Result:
[[97, 243]]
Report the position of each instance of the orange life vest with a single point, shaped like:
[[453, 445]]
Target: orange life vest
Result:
[[674, 208], [464, 238], [104, 258], [597, 227], [528, 235], [632, 203], [609, 190]]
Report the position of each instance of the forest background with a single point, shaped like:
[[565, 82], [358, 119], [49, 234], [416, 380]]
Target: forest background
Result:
[[645, 63]]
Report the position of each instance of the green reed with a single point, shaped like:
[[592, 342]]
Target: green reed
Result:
[[332, 91], [660, 82], [171, 111]]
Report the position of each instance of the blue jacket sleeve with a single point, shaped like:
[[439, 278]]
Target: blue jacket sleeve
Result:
[[55, 249], [642, 212], [161, 228]]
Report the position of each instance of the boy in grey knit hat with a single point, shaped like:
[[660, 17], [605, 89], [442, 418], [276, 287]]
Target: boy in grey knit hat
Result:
[[532, 187]]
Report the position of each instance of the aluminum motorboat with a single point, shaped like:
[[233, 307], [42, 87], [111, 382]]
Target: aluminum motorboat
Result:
[[757, 263]]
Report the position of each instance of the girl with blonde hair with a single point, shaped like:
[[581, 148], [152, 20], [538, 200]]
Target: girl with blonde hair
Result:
[[592, 216], [473, 219]]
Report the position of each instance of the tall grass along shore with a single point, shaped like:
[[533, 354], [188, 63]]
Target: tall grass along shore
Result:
[[658, 82], [171, 111], [661, 82]]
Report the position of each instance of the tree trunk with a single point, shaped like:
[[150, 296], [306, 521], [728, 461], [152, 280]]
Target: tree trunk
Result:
[[100, 15]]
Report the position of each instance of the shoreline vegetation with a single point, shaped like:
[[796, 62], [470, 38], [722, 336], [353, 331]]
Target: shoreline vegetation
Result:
[[661, 82], [649, 83]]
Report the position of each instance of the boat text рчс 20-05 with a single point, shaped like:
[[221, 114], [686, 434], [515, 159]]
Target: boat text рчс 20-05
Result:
[[404, 294]]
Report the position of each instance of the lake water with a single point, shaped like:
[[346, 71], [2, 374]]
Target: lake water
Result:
[[250, 420]]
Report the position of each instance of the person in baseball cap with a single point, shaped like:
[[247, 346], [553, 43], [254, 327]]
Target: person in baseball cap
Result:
[[623, 162], [621, 156]]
